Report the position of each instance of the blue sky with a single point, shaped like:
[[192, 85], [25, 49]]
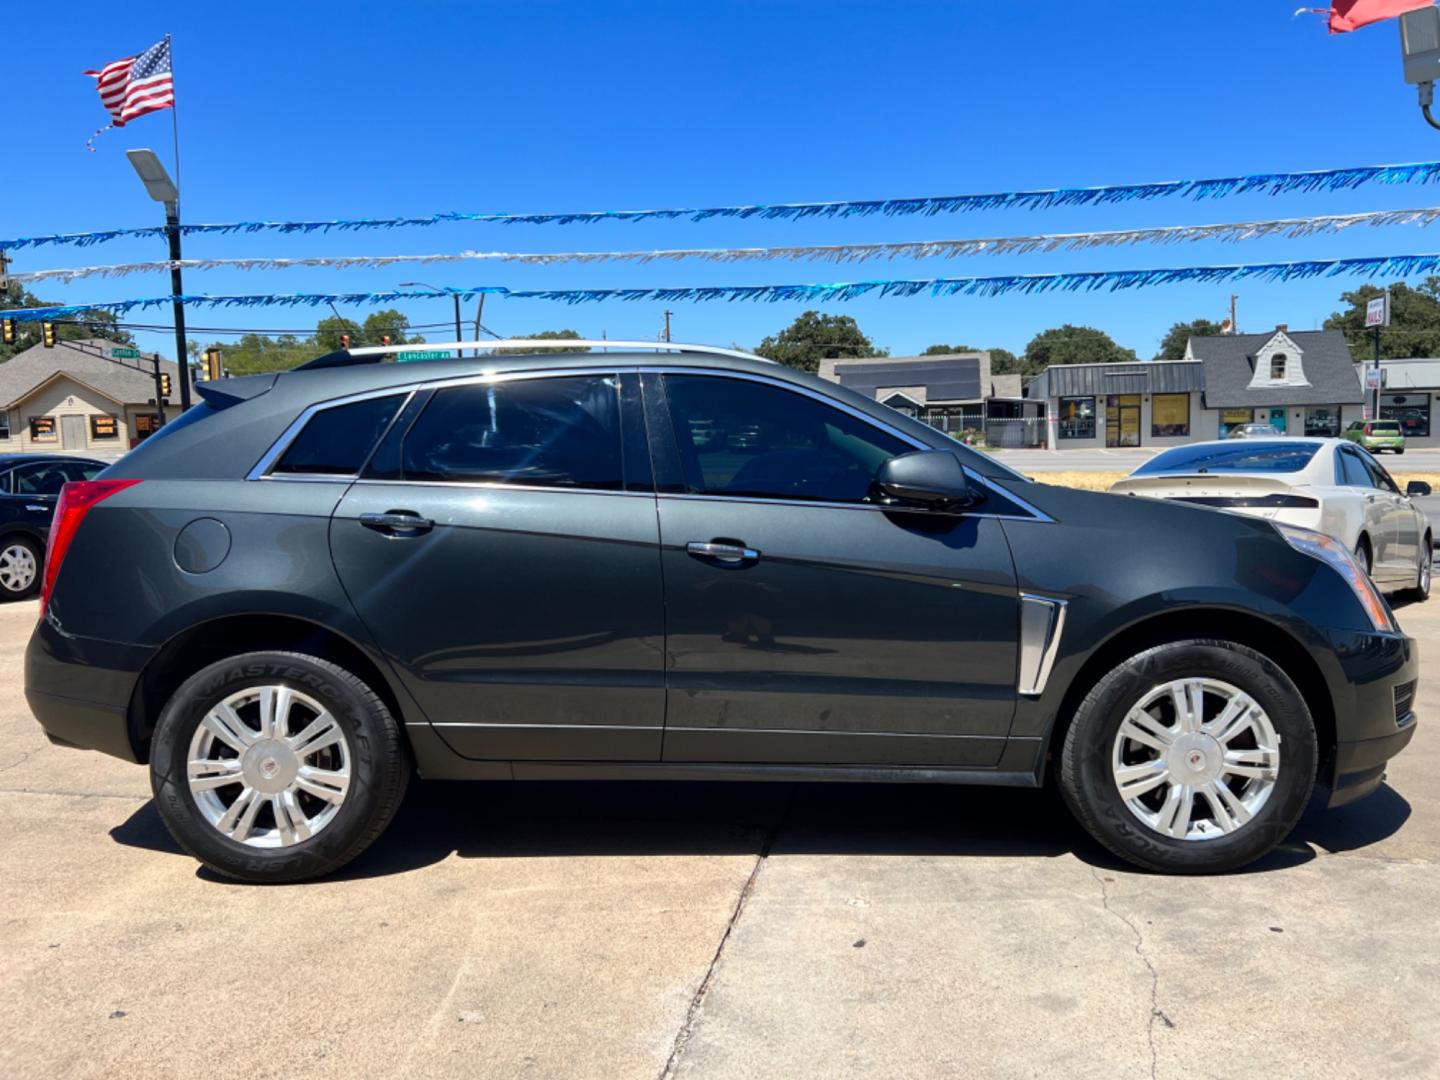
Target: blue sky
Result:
[[321, 110]]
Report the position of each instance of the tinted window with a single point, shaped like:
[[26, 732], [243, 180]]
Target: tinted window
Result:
[[1385, 427], [1352, 470], [337, 440], [1241, 456], [556, 432], [82, 470], [40, 479], [1378, 476], [737, 437]]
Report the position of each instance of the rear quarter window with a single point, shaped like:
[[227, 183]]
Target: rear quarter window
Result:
[[337, 441]]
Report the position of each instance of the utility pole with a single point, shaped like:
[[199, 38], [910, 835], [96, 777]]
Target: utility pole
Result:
[[1234, 326], [667, 324], [479, 311], [162, 189], [4, 272]]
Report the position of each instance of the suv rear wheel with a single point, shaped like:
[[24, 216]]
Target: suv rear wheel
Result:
[[275, 766], [1191, 757]]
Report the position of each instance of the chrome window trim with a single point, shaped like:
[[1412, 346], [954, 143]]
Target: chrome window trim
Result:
[[1042, 622], [486, 485], [261, 470]]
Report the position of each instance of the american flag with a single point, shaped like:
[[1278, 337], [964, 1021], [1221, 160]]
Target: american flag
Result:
[[136, 85]]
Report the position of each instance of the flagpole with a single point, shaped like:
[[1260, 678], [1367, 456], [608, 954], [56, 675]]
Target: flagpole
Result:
[[177, 288]]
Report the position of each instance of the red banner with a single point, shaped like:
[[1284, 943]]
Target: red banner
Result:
[[1347, 15]]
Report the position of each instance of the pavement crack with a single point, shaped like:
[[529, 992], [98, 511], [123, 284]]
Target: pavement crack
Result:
[[1155, 1011], [19, 761], [692, 1012]]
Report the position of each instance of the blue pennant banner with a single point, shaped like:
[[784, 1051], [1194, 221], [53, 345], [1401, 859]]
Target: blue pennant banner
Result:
[[1233, 232], [1424, 172], [1388, 266]]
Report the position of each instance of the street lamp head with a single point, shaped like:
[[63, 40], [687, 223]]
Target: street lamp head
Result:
[[158, 184]]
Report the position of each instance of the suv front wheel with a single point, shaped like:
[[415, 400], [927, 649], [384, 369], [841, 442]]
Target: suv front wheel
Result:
[[1191, 757], [275, 766]]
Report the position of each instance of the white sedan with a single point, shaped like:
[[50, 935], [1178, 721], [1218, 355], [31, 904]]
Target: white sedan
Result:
[[1329, 485]]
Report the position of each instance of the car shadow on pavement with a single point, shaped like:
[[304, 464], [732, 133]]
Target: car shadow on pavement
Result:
[[655, 818]]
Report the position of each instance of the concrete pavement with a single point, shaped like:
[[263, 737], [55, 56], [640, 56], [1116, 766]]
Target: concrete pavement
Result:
[[710, 931]]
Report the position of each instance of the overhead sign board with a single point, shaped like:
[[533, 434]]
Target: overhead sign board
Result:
[[122, 353], [1377, 311], [424, 354]]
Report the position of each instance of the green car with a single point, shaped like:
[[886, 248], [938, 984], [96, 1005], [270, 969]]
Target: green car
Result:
[[1377, 435]]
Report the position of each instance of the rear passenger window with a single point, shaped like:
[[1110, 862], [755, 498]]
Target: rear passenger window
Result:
[[1352, 470], [554, 432], [337, 440]]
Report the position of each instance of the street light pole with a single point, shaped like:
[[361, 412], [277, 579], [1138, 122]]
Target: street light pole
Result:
[[162, 189]]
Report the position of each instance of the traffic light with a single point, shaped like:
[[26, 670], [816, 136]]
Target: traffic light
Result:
[[164, 384], [212, 364], [47, 334], [344, 341], [7, 331]]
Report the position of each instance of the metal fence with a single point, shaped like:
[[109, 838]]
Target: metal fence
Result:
[[973, 425]]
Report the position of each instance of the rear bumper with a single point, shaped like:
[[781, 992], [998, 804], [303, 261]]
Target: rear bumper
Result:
[[80, 689]]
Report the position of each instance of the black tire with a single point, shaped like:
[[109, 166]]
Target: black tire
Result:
[[1088, 783], [36, 551], [1400, 451], [1365, 554], [1421, 592], [380, 767]]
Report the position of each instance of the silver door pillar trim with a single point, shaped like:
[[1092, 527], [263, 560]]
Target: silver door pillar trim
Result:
[[1042, 621]]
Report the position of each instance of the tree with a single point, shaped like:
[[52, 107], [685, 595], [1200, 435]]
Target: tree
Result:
[[550, 335], [328, 333], [97, 324], [379, 324], [1073, 345], [255, 353], [813, 337], [1414, 328], [942, 350], [1172, 345]]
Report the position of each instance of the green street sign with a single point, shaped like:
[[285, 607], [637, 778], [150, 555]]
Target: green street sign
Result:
[[424, 354], [121, 353]]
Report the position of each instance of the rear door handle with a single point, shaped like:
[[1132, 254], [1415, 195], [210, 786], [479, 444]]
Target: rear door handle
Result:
[[397, 523], [722, 551]]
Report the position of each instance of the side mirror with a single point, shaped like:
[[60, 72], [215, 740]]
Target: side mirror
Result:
[[925, 480], [1417, 487]]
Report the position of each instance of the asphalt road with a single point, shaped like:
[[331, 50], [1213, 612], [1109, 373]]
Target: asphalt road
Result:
[[716, 931]]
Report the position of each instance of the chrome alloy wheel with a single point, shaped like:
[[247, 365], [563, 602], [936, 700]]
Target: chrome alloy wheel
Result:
[[269, 766], [1196, 759], [17, 568]]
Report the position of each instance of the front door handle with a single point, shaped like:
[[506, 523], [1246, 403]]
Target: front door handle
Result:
[[397, 523], [725, 551]]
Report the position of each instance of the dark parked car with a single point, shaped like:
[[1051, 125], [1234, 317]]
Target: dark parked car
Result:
[[29, 486], [526, 567]]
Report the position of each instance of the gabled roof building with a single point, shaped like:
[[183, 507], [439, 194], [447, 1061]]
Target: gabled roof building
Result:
[[1301, 382], [78, 397]]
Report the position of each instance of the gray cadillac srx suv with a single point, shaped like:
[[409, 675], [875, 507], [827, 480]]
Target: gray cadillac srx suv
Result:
[[685, 564]]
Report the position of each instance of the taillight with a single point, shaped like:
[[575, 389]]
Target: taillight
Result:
[[1367, 429], [76, 499]]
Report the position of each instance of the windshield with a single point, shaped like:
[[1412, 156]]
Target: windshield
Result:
[[1285, 456]]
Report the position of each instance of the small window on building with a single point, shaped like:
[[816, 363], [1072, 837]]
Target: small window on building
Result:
[[104, 426], [1077, 418], [1169, 415], [145, 425], [4, 425], [1277, 367], [42, 428], [1412, 411], [336, 441], [1322, 421]]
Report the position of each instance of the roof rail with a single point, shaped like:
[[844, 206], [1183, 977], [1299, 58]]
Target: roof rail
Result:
[[374, 354]]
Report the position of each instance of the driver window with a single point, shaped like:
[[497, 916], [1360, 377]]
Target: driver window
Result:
[[46, 479], [1378, 476], [742, 438]]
